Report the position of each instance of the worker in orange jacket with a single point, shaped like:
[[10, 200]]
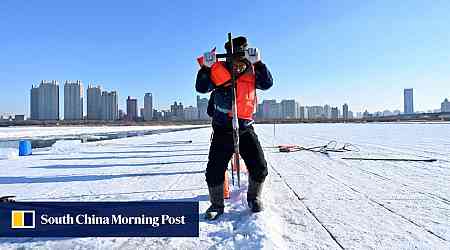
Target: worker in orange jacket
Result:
[[251, 74]]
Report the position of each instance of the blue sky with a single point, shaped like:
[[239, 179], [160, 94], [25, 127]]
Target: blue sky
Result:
[[320, 52]]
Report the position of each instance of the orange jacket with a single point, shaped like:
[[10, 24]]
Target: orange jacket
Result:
[[245, 88]]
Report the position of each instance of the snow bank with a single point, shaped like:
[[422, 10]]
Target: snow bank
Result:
[[9, 154], [66, 147]]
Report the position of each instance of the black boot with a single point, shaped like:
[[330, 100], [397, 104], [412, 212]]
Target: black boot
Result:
[[216, 199], [254, 199]]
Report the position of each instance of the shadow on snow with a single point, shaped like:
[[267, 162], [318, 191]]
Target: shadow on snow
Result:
[[74, 178], [122, 157]]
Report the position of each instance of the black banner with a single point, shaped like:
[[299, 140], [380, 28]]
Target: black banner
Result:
[[99, 219]]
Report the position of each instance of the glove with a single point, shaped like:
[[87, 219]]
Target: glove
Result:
[[252, 54], [209, 58]]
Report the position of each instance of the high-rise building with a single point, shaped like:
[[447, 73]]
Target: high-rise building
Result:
[[73, 100], [44, 101], [302, 114], [94, 103], [148, 107], [121, 115], [190, 113], [131, 109], [34, 103], [109, 106], [271, 109], [289, 109], [334, 113], [157, 115], [315, 112], [259, 111], [326, 112], [141, 113], [345, 112], [202, 106], [275, 111], [350, 115], [408, 103], [266, 105], [445, 106], [176, 111]]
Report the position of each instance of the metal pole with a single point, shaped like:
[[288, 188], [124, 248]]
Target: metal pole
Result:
[[235, 121]]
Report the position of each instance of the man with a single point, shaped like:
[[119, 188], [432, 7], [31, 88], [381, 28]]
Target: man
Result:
[[251, 74]]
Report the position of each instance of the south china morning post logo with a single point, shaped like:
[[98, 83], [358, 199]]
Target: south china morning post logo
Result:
[[99, 219], [22, 219]]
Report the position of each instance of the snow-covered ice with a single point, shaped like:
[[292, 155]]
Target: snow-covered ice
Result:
[[313, 201], [36, 131]]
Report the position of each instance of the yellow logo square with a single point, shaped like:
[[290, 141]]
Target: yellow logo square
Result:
[[22, 219]]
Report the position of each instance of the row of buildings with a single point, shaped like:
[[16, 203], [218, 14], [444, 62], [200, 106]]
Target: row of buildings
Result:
[[408, 103], [290, 109], [178, 112], [103, 105], [44, 102]]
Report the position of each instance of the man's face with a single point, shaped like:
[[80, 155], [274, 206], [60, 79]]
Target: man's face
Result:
[[240, 48], [240, 64]]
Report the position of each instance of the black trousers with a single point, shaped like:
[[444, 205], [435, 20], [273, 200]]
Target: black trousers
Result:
[[222, 148]]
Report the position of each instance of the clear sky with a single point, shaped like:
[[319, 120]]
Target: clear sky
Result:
[[320, 52]]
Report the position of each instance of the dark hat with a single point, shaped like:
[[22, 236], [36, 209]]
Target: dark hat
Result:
[[238, 42]]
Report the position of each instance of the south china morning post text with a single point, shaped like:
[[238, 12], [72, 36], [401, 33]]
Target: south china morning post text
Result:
[[100, 219], [114, 219]]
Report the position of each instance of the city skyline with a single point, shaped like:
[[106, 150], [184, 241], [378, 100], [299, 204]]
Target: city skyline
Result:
[[377, 48], [166, 106], [103, 105]]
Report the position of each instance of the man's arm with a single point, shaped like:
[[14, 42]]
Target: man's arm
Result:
[[263, 77], [203, 84], [211, 107]]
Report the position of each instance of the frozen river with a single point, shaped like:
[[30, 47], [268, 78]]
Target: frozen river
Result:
[[313, 200]]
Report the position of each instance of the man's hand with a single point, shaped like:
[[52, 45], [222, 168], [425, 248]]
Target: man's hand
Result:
[[210, 58], [252, 54]]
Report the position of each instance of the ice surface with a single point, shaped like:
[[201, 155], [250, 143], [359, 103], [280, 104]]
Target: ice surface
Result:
[[35, 131], [312, 200]]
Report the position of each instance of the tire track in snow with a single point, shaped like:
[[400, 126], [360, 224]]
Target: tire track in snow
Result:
[[392, 150], [383, 206], [301, 199], [333, 237], [388, 209], [436, 197], [430, 195], [356, 191]]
